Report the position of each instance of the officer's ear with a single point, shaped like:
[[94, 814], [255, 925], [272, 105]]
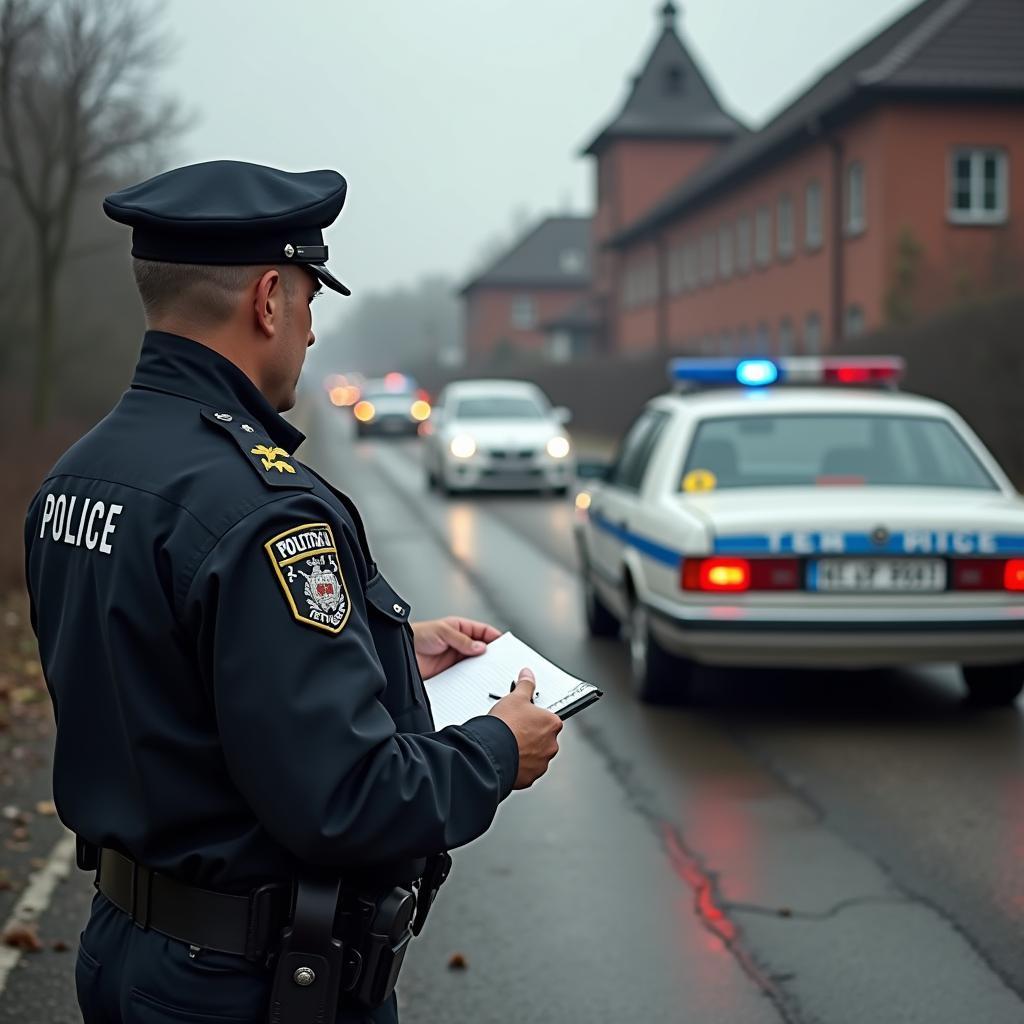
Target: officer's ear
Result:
[[269, 301]]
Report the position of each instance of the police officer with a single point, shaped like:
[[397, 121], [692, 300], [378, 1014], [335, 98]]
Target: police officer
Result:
[[244, 745]]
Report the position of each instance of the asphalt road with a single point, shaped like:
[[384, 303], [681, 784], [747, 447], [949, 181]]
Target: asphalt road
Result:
[[800, 847]]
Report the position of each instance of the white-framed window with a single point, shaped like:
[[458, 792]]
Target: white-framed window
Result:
[[787, 337], [725, 343], [524, 313], [691, 265], [743, 346], [725, 266], [853, 321], [784, 226], [813, 234], [707, 259], [812, 334], [855, 198], [743, 244], [640, 284], [978, 186], [763, 236]]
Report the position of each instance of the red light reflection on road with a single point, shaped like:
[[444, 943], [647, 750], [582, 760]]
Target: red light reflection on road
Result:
[[710, 912]]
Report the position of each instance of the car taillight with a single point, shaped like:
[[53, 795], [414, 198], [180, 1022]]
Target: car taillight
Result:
[[1013, 574], [735, 575], [988, 574]]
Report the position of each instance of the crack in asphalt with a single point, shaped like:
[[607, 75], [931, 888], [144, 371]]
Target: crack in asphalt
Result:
[[910, 895]]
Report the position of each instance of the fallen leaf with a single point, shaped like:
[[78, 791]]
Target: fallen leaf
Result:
[[59, 946], [11, 812], [20, 834], [22, 936], [457, 962], [46, 808]]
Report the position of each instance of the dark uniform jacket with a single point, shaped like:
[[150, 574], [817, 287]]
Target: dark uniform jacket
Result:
[[234, 681]]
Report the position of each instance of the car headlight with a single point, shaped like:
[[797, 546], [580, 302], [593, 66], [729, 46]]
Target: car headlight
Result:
[[558, 447], [364, 411], [420, 410], [462, 446]]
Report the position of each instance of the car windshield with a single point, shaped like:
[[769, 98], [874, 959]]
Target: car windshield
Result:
[[498, 407], [800, 450]]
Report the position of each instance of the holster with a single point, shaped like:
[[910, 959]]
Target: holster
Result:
[[307, 980]]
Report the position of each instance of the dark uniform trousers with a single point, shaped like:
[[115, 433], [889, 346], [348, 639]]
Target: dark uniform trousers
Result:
[[234, 682]]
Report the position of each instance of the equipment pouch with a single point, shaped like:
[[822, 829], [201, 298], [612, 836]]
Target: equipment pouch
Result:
[[307, 978], [385, 945]]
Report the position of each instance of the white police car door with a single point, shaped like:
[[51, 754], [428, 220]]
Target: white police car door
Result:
[[613, 511]]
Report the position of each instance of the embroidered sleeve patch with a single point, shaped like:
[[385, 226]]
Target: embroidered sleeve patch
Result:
[[305, 559]]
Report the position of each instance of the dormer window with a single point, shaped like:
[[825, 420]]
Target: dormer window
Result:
[[571, 261], [674, 80]]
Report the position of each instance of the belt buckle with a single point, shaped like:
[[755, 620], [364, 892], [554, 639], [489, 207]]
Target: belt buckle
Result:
[[263, 925]]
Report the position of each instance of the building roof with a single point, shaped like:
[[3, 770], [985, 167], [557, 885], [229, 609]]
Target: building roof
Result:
[[670, 98], [941, 49], [553, 254]]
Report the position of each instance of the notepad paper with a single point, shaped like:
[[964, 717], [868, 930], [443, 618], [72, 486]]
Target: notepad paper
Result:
[[463, 691]]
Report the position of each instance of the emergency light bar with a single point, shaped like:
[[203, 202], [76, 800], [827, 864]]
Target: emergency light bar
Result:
[[759, 373]]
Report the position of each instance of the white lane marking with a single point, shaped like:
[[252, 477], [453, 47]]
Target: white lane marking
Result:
[[36, 898]]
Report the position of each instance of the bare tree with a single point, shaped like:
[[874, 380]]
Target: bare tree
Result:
[[73, 110]]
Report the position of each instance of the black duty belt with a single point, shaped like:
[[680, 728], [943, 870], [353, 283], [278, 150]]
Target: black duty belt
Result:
[[248, 926]]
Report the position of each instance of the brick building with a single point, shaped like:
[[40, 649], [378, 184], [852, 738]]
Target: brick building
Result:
[[891, 187], [519, 301]]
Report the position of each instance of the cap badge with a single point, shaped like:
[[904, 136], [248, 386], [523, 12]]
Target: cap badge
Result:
[[247, 428], [222, 416], [271, 458], [289, 250]]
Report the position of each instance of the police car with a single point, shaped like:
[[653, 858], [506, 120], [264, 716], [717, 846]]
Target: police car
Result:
[[803, 512]]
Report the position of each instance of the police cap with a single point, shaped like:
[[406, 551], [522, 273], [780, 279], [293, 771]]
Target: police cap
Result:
[[226, 212]]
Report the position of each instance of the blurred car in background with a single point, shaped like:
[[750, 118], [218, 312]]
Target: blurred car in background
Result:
[[390, 405], [746, 521], [498, 434]]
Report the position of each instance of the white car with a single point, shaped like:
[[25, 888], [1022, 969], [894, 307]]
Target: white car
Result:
[[764, 524], [498, 434]]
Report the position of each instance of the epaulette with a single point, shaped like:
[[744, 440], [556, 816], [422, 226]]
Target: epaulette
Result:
[[274, 466]]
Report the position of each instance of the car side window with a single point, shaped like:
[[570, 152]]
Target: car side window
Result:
[[637, 447]]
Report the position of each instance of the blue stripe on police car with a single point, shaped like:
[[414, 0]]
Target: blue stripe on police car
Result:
[[836, 542]]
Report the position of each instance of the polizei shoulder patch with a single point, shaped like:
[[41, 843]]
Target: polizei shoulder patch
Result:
[[305, 559]]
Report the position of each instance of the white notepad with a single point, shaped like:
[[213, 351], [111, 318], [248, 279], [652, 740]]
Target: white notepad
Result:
[[464, 691]]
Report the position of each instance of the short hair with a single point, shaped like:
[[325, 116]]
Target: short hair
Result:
[[205, 294]]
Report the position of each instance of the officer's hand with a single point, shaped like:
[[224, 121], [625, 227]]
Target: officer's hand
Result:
[[535, 729], [440, 643]]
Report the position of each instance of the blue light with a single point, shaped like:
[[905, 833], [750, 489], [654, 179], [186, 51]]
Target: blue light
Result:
[[703, 371], [757, 373]]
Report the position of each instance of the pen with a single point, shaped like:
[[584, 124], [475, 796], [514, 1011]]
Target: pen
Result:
[[497, 696]]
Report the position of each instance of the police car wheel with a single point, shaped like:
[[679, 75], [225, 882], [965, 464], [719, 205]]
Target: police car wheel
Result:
[[600, 621], [993, 685], [658, 677]]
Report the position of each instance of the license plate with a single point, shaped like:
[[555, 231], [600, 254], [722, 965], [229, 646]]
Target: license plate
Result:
[[869, 575]]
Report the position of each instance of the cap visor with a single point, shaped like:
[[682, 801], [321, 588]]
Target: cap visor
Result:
[[327, 278]]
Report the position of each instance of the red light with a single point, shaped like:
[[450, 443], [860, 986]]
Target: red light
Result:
[[1013, 574], [988, 574], [735, 575], [873, 370]]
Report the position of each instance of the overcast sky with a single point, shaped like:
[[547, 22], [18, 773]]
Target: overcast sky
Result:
[[449, 117]]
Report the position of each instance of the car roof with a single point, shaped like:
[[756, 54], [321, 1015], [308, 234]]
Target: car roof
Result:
[[749, 401], [461, 388]]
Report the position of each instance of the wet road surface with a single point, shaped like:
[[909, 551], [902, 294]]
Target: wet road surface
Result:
[[839, 847], [800, 847]]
